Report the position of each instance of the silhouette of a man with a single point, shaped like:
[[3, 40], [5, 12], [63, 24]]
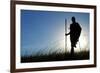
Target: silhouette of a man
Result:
[[75, 31]]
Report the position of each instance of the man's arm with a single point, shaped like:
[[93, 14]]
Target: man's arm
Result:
[[67, 33]]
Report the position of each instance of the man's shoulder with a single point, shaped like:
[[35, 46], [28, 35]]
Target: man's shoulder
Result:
[[77, 23], [74, 23]]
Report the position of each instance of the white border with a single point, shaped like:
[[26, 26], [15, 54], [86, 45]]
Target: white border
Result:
[[58, 63]]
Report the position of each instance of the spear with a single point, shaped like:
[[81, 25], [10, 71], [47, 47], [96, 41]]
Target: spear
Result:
[[65, 35]]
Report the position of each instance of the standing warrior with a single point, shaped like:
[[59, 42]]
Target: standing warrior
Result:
[[75, 31]]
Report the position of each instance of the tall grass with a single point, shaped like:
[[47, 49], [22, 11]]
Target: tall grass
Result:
[[54, 52], [56, 57]]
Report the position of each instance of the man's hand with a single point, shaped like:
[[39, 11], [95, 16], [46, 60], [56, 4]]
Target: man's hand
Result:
[[67, 34]]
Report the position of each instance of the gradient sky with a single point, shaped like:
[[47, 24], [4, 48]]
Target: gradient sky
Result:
[[41, 29]]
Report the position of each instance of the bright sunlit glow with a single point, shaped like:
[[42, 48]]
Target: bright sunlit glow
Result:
[[82, 44]]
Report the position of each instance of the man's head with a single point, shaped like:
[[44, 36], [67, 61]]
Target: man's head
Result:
[[73, 19]]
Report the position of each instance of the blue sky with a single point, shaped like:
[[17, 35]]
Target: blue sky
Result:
[[39, 29]]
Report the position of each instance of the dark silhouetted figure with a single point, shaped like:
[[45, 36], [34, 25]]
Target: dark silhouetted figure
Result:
[[75, 31]]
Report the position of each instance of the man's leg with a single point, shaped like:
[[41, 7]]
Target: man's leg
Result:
[[72, 50]]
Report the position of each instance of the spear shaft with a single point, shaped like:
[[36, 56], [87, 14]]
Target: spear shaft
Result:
[[65, 35]]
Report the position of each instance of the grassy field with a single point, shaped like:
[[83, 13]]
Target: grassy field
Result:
[[56, 57]]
